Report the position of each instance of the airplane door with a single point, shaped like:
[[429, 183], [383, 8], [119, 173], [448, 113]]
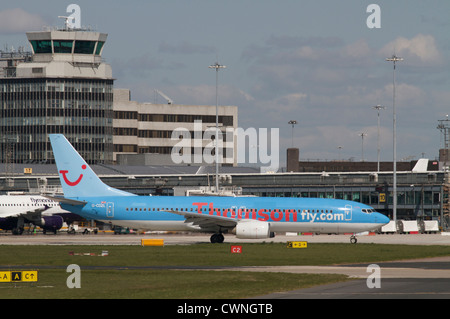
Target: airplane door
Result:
[[348, 212], [110, 210]]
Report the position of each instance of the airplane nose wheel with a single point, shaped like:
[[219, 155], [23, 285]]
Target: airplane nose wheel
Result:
[[217, 239], [353, 239]]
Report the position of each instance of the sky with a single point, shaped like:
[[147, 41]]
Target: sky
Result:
[[314, 61]]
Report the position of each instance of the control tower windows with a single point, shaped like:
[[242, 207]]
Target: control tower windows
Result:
[[99, 47], [62, 46], [41, 46], [84, 47], [66, 46]]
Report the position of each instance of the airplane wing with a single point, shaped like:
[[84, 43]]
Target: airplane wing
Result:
[[25, 212], [64, 200], [206, 221]]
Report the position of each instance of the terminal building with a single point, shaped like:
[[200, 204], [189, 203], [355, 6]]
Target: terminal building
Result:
[[64, 86], [146, 134], [422, 186], [421, 195]]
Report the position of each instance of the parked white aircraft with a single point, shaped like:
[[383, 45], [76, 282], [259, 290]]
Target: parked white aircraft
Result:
[[16, 210]]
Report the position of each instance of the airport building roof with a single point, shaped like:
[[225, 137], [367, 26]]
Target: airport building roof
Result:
[[17, 170]]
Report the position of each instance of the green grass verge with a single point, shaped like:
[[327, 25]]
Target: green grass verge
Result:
[[139, 272], [162, 284]]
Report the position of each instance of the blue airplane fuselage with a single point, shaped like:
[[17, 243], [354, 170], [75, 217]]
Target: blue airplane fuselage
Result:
[[248, 217], [283, 214]]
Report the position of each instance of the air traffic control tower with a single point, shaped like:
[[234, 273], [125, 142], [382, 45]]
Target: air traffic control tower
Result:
[[64, 88]]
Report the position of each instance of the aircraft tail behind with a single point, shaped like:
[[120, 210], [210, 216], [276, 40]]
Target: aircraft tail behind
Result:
[[78, 180]]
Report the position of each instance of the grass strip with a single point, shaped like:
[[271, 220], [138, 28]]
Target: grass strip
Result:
[[148, 272]]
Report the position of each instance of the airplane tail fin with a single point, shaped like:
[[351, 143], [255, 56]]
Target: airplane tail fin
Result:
[[78, 180]]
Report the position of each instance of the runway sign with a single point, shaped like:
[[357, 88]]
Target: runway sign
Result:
[[297, 244], [236, 249], [19, 276]]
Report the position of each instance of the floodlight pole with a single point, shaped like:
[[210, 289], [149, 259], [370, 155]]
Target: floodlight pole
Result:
[[362, 145], [340, 148], [378, 108], [394, 59], [217, 66], [292, 122]]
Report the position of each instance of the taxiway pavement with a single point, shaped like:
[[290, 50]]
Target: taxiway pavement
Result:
[[425, 278], [194, 238]]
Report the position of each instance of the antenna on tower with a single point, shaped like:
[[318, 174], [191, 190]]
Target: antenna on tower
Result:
[[72, 21], [67, 24]]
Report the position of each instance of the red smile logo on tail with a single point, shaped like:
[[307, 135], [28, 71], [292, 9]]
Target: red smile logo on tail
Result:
[[63, 173]]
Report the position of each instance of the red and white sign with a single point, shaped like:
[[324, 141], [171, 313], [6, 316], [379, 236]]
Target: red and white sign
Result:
[[236, 249]]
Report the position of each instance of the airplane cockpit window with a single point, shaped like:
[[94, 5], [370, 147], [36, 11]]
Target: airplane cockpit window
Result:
[[367, 211]]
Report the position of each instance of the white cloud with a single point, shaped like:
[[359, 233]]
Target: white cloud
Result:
[[358, 49], [421, 49], [293, 98], [409, 95], [19, 21]]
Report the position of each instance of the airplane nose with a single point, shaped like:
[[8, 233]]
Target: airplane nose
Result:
[[382, 219]]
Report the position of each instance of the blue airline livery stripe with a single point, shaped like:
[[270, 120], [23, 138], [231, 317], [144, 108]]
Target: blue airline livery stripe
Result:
[[263, 209]]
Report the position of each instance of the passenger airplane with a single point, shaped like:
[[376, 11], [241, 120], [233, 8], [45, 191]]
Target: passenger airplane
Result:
[[16, 210], [248, 217]]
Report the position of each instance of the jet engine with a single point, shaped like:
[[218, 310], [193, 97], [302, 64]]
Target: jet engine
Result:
[[50, 223], [253, 229], [47, 223], [8, 223]]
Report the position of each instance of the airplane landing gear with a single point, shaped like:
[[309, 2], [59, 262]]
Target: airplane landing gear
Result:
[[353, 239], [217, 238], [17, 231]]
